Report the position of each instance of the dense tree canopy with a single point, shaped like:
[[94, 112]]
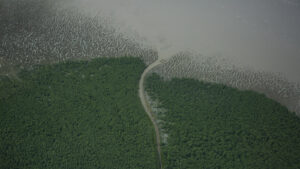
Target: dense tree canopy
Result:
[[87, 114], [84, 114], [213, 126]]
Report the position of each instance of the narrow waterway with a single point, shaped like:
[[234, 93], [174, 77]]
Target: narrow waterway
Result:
[[147, 107]]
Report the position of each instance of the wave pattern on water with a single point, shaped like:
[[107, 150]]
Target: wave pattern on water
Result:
[[215, 70]]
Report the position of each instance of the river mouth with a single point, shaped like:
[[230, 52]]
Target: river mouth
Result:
[[261, 36]]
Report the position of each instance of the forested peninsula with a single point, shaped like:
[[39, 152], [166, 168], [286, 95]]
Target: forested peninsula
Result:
[[209, 125]]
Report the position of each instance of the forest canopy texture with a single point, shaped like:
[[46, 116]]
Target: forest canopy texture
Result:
[[214, 126], [87, 114], [84, 114]]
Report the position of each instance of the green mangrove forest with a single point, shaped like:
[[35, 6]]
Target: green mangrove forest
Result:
[[80, 114], [212, 126], [87, 114]]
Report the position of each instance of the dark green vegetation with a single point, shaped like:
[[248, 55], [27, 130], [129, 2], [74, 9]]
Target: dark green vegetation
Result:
[[213, 126], [83, 114]]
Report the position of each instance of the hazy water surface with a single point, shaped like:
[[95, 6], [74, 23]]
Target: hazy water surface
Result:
[[261, 34]]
